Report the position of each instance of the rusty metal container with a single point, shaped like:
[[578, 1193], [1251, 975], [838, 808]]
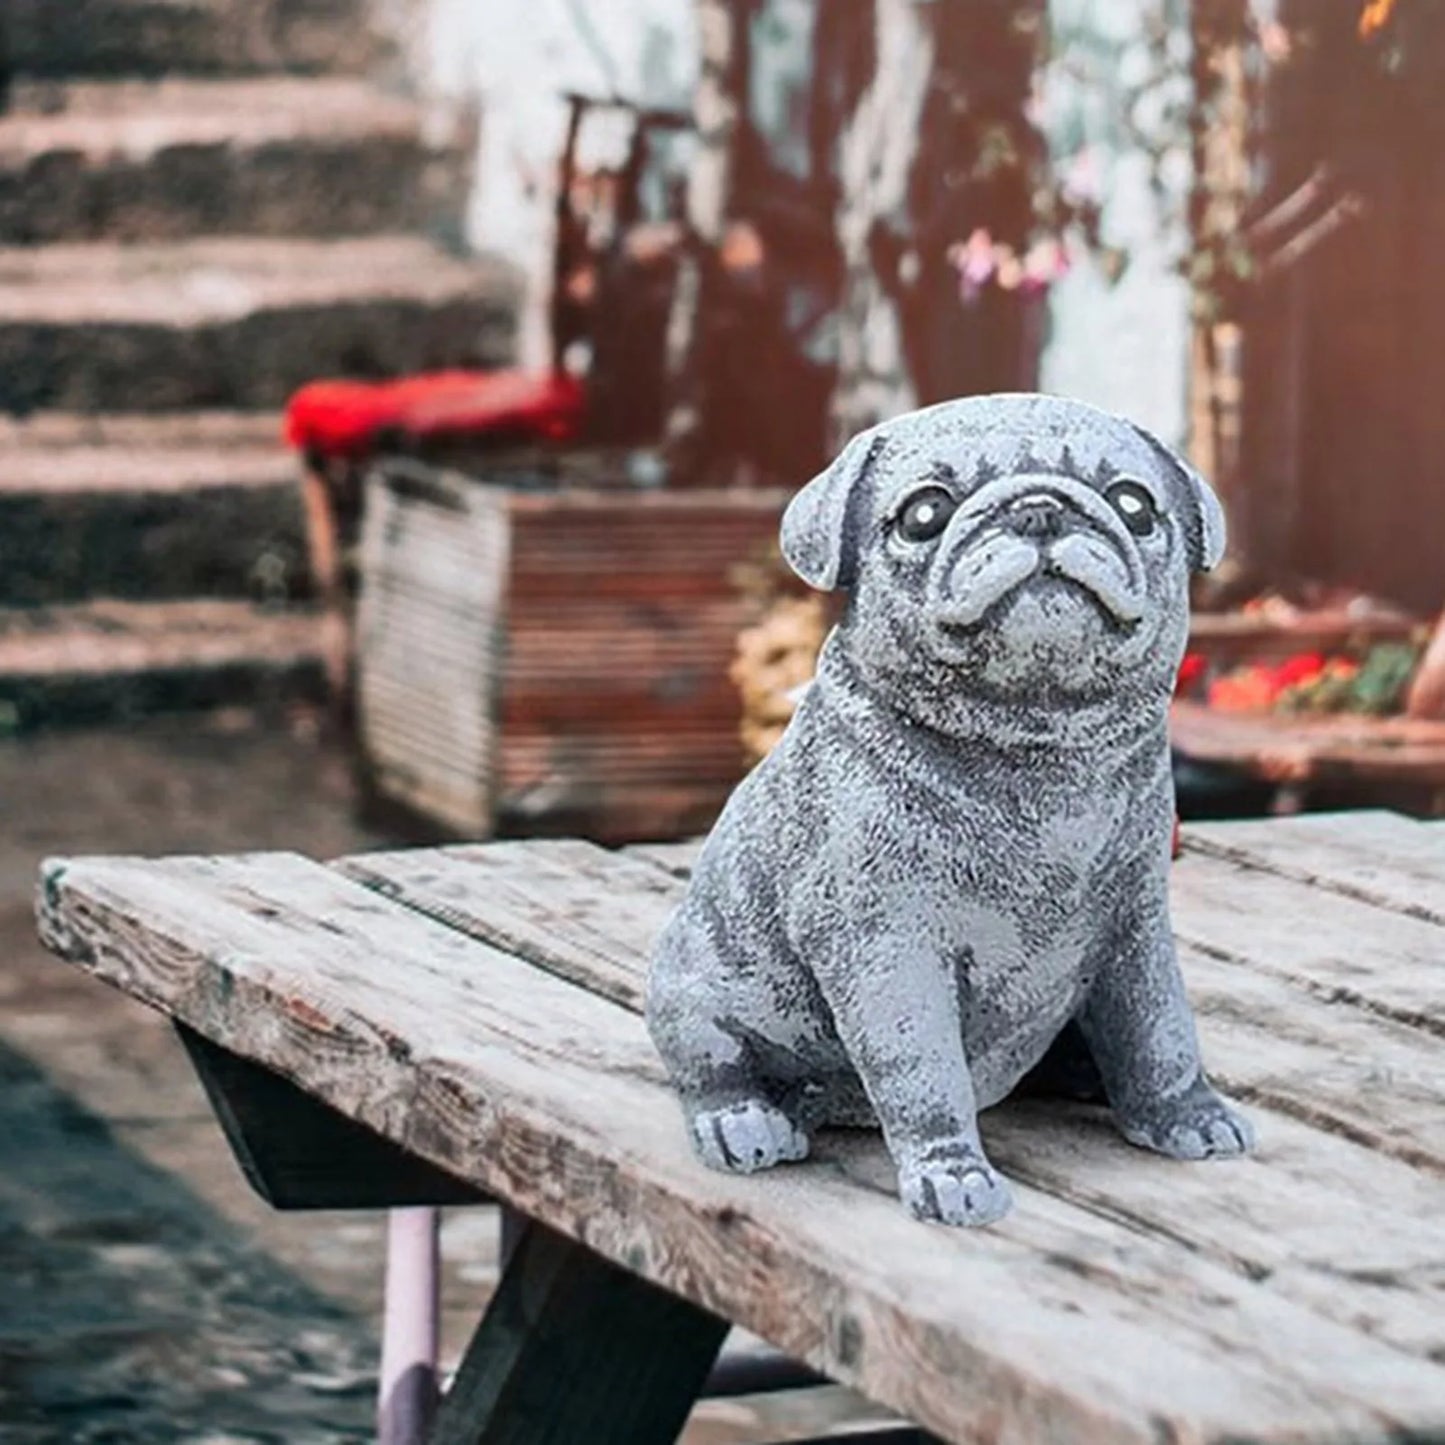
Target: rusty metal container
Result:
[[541, 657]]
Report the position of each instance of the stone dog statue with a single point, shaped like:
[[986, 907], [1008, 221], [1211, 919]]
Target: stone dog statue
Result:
[[957, 856]]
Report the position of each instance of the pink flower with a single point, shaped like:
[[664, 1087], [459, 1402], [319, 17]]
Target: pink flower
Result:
[[1045, 262], [1081, 177], [1010, 269], [973, 259]]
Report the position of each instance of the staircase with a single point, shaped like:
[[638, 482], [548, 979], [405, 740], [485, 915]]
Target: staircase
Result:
[[203, 205]]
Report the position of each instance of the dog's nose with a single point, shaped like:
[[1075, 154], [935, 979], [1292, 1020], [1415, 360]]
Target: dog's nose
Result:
[[1037, 515]]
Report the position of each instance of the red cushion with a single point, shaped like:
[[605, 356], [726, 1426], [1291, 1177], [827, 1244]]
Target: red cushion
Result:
[[346, 419]]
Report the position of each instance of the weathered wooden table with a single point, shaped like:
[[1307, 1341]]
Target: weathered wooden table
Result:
[[1396, 761], [426, 1026]]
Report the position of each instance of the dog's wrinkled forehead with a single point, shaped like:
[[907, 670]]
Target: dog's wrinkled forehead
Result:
[[986, 437], [970, 442]]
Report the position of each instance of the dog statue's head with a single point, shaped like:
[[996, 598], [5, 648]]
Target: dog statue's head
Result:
[[1014, 548]]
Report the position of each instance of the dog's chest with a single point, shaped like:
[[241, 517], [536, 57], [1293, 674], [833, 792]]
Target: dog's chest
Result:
[[1042, 854], [1021, 914], [1018, 980]]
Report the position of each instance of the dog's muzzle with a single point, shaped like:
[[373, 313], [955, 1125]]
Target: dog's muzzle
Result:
[[1036, 532]]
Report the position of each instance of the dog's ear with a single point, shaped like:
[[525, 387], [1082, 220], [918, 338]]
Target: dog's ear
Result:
[[819, 533], [1206, 522]]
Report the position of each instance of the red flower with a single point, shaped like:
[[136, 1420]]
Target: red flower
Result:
[[1297, 669], [1191, 671]]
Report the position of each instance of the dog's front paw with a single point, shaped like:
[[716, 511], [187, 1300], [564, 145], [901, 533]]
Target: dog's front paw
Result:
[[742, 1138], [964, 1190], [1197, 1125]]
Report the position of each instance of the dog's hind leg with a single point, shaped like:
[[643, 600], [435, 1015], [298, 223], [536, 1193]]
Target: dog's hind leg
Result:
[[736, 1081], [735, 1112]]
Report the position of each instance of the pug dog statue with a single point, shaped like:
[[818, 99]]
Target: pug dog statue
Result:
[[956, 859]]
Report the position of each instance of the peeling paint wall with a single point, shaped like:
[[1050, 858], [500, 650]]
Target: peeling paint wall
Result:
[[1122, 345], [517, 57]]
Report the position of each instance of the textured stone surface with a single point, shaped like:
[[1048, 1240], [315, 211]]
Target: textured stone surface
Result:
[[164, 160], [109, 1261], [958, 854], [237, 323]]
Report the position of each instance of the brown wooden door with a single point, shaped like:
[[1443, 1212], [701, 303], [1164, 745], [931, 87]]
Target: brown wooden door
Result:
[[1345, 384]]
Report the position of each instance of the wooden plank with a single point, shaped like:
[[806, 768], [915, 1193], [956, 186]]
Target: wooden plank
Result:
[[675, 858], [1342, 1069], [1305, 750], [1290, 1216], [1324, 941], [1369, 1085], [591, 916], [573, 1348], [298, 1153], [435, 554], [1379, 833], [1062, 1324], [1382, 858], [648, 549], [577, 910]]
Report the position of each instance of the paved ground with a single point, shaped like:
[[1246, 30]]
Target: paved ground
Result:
[[148, 1297]]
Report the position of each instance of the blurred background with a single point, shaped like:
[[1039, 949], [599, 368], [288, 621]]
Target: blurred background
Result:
[[398, 399]]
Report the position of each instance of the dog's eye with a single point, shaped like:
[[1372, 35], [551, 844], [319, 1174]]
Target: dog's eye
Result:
[[1134, 504], [925, 514]]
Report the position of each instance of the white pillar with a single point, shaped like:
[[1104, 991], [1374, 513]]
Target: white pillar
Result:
[[408, 1395]]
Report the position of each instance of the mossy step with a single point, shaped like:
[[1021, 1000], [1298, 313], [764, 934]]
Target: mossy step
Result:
[[151, 37], [238, 323], [149, 508], [166, 160], [108, 661]]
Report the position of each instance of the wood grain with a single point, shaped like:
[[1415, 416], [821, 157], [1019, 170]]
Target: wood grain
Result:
[[1320, 939], [590, 916], [573, 1348], [434, 556], [524, 662], [579, 911], [1063, 1324], [1382, 858], [298, 1153], [1297, 749]]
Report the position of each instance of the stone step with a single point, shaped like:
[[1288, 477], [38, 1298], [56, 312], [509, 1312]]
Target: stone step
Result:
[[282, 156], [238, 323], [106, 661], [195, 505], [204, 37]]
